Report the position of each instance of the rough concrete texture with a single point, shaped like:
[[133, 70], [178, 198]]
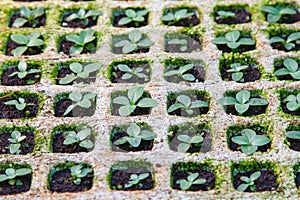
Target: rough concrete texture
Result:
[[101, 158]]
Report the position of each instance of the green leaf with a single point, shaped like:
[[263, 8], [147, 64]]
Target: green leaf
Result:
[[168, 17], [88, 144], [184, 185], [241, 108], [243, 96], [84, 134], [293, 37], [184, 138], [293, 134], [129, 48], [255, 175], [75, 50], [287, 11], [121, 100], [296, 75], [197, 139], [257, 102], [188, 77], [35, 43], [143, 176], [75, 38], [183, 147], [87, 35], [124, 68], [199, 181], [171, 73], [232, 36], [3, 177], [76, 67], [19, 22], [185, 68], [233, 45], [241, 140], [174, 107], [67, 79], [273, 18], [289, 46], [19, 50], [133, 130], [185, 100], [120, 141], [270, 9], [72, 17], [147, 135], [126, 110], [93, 13], [135, 93], [145, 43], [260, 140], [135, 36], [147, 103], [122, 43], [276, 39], [199, 104], [14, 148], [130, 13], [192, 177], [281, 72], [248, 150], [126, 76], [135, 142], [246, 41], [84, 103], [219, 40], [92, 67], [237, 76], [226, 101], [68, 110], [242, 187], [69, 140], [124, 20], [20, 39]]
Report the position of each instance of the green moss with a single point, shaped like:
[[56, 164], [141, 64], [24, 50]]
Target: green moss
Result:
[[296, 168], [14, 165], [129, 62], [124, 165], [206, 165], [60, 129], [62, 166]]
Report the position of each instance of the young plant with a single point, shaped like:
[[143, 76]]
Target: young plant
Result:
[[79, 71], [84, 16], [82, 138], [236, 68], [15, 142], [292, 40], [78, 172], [134, 43], [225, 14], [135, 136], [249, 141], [29, 16], [191, 180], [185, 102], [177, 16], [11, 176], [182, 42], [133, 100], [129, 73], [22, 73], [249, 182], [82, 40], [25, 42], [233, 40], [274, 13], [293, 102], [135, 179], [242, 101], [181, 72], [78, 99], [20, 104], [133, 16], [187, 142], [293, 134], [290, 68]]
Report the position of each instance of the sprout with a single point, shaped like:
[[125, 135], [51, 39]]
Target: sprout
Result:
[[292, 40], [78, 99], [26, 42], [82, 138], [84, 16], [23, 71], [225, 14], [236, 68], [179, 15], [290, 68], [187, 142], [182, 42], [82, 40], [20, 104], [293, 102], [78, 172], [135, 179], [15, 142], [274, 13], [11, 175], [191, 180], [249, 182], [29, 16], [133, 16], [181, 72]]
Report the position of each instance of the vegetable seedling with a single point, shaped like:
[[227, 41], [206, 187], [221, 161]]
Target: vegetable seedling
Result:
[[185, 102], [15, 142], [133, 100], [274, 13], [293, 134], [249, 182], [225, 14], [181, 72], [236, 68], [82, 40], [84, 16], [78, 172], [20, 104], [191, 180], [130, 73], [11, 175], [242, 101], [133, 16], [177, 16], [292, 40], [26, 42], [293, 102], [81, 100], [134, 42], [290, 68], [187, 142], [79, 71], [28, 16], [82, 138], [249, 141], [182, 42], [135, 136], [135, 179], [23, 71]]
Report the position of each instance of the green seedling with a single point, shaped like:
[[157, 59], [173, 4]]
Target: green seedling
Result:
[[25, 42], [242, 101], [182, 42], [274, 13], [130, 73], [28, 16], [187, 142], [133, 16], [293, 102], [23, 71], [177, 16], [236, 68], [249, 182], [292, 40], [185, 102], [249, 141], [82, 40], [225, 14], [133, 100], [78, 172], [84, 16], [181, 72], [293, 134], [16, 141], [135, 136], [134, 42], [20, 104], [80, 100], [79, 71], [135, 179], [11, 175], [82, 138], [191, 180], [290, 68]]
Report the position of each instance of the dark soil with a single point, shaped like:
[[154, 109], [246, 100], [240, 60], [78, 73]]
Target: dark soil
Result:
[[6, 188], [182, 112], [294, 144], [27, 145], [62, 105], [65, 47], [119, 16], [193, 44], [181, 174], [280, 46], [146, 145], [15, 80], [288, 19], [252, 111], [240, 49], [62, 181], [41, 21], [198, 71], [236, 147], [297, 179], [77, 23], [251, 73], [11, 45], [203, 147], [59, 147], [284, 77], [116, 75], [241, 16], [11, 112], [266, 181], [119, 178], [187, 22], [64, 71]]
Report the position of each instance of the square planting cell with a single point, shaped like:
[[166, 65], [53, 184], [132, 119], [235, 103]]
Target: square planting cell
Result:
[[287, 69], [292, 136], [181, 16], [131, 175], [232, 14], [130, 17], [289, 101], [28, 17], [182, 42], [284, 39]]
